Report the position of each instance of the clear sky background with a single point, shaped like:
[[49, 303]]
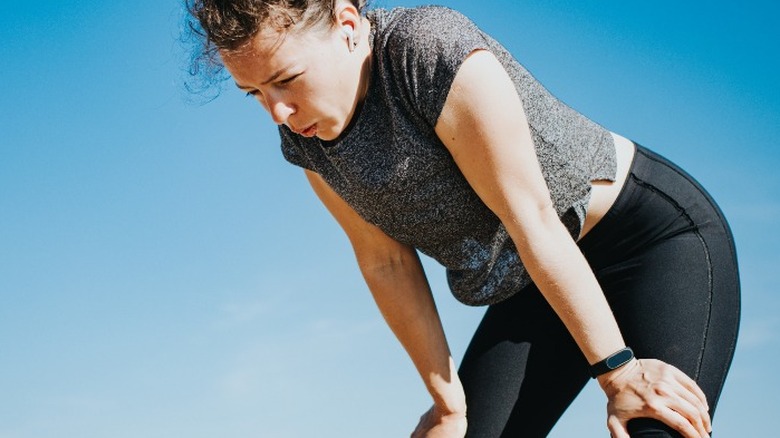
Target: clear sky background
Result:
[[165, 273]]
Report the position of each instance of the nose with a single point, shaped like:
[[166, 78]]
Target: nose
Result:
[[279, 109]]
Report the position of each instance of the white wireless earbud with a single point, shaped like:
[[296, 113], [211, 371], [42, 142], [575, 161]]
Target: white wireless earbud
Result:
[[350, 34]]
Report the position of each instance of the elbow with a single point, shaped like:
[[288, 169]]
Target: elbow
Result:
[[537, 224], [388, 262], [547, 214], [531, 216]]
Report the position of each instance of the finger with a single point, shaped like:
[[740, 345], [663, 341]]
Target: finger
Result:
[[671, 395], [676, 421], [692, 386], [692, 393], [617, 428], [692, 411], [701, 404], [419, 431], [702, 411]]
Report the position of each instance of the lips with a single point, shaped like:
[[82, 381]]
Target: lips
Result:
[[309, 131]]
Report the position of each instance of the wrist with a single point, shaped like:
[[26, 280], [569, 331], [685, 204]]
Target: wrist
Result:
[[452, 402], [612, 362], [610, 381], [448, 412], [447, 393]]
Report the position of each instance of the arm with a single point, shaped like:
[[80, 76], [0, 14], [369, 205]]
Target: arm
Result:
[[479, 124], [398, 284]]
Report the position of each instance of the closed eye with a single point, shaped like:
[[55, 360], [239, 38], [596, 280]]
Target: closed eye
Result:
[[289, 80]]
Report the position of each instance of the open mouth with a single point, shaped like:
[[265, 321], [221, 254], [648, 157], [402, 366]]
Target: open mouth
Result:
[[310, 131]]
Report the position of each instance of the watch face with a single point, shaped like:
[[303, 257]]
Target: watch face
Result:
[[619, 359]]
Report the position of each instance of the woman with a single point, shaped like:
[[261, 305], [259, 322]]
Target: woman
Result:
[[420, 132]]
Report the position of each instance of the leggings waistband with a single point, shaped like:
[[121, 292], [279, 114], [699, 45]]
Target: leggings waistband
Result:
[[658, 200]]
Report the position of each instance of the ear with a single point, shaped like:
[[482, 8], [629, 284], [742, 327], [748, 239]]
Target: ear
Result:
[[347, 16]]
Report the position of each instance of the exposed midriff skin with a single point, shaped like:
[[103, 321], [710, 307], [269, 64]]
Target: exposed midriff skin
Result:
[[604, 193]]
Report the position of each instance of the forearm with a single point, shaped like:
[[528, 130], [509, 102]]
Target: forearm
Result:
[[567, 282], [482, 126], [402, 293], [397, 281]]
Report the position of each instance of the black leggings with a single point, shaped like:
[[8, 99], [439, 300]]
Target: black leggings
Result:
[[665, 258]]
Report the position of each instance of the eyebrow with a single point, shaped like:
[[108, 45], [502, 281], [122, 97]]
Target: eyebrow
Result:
[[271, 79], [242, 87]]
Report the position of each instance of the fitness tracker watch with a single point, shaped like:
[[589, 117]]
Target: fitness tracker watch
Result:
[[613, 362]]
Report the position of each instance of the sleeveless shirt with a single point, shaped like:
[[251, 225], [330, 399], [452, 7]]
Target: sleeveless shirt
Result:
[[393, 170]]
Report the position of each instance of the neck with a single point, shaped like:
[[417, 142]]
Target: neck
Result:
[[364, 50], [362, 56]]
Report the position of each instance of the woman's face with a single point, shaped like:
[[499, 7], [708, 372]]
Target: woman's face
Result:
[[308, 80]]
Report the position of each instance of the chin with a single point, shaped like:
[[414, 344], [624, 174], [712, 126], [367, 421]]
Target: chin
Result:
[[329, 134]]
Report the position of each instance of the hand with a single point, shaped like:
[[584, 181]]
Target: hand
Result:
[[439, 424], [650, 388]]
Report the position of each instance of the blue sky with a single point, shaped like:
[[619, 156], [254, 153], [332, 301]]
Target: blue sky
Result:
[[164, 273]]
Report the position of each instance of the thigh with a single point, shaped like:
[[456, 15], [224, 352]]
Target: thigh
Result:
[[664, 307], [521, 370], [666, 262], [667, 308]]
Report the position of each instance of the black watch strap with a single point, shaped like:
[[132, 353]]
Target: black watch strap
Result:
[[613, 362]]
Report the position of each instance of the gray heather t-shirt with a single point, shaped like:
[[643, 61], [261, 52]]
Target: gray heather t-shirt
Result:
[[393, 170]]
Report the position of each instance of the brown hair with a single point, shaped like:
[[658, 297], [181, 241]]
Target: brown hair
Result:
[[214, 25]]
